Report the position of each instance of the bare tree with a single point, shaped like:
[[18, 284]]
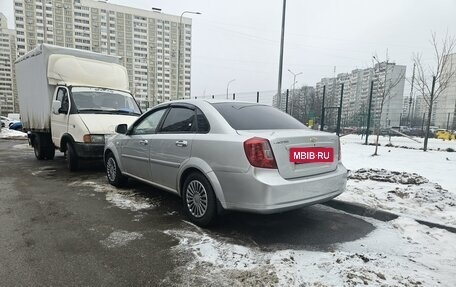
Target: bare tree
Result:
[[306, 104], [384, 92], [432, 80]]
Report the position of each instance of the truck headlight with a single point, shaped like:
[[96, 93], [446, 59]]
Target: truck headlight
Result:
[[97, 139]]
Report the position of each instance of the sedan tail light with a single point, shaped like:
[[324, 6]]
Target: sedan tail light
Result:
[[259, 153]]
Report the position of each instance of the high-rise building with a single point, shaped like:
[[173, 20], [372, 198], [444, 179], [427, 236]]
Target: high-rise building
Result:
[[420, 107], [150, 43], [356, 95], [445, 106], [332, 88], [283, 105], [8, 93]]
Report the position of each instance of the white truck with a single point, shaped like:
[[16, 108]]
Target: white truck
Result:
[[71, 100]]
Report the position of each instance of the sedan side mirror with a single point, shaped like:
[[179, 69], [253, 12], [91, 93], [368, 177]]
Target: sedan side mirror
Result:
[[121, 129], [56, 107]]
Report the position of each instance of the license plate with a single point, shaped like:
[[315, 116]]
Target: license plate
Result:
[[311, 154]]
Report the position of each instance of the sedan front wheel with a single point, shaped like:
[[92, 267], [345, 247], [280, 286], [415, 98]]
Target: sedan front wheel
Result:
[[113, 172]]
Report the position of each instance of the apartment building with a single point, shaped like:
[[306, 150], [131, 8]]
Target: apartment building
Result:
[[356, 91], [283, 105], [332, 88], [8, 93], [153, 46], [444, 115]]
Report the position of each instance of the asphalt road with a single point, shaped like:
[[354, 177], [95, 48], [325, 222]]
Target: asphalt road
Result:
[[58, 230]]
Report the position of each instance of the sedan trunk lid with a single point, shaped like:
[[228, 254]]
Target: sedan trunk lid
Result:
[[283, 140]]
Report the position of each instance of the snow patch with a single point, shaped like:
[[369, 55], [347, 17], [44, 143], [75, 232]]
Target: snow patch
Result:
[[47, 170], [404, 193], [120, 238], [400, 253], [121, 198], [12, 134], [387, 176]]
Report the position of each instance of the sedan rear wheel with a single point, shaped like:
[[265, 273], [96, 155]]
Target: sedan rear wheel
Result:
[[113, 172], [199, 200]]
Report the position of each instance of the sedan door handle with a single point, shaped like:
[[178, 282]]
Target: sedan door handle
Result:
[[181, 143], [143, 142]]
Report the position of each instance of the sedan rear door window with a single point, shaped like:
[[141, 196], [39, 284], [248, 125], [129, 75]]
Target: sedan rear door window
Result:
[[179, 120]]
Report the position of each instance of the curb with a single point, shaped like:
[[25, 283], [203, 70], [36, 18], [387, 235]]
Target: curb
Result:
[[364, 210]]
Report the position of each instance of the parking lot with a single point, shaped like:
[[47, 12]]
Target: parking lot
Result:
[[62, 228]]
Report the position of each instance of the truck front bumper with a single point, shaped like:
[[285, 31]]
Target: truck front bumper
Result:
[[92, 151]]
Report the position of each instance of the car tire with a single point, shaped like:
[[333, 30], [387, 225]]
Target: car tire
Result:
[[72, 157], [38, 147], [113, 172], [199, 201]]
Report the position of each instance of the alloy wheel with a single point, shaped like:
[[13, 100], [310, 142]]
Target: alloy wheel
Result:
[[196, 197]]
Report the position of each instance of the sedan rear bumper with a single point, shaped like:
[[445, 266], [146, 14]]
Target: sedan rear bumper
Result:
[[265, 191]]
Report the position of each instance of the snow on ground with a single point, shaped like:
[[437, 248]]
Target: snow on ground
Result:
[[401, 193], [399, 253], [122, 198], [405, 181], [437, 166], [12, 134], [433, 144]]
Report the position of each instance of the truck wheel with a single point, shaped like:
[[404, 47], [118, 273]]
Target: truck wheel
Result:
[[72, 157], [199, 200], [38, 147], [113, 172]]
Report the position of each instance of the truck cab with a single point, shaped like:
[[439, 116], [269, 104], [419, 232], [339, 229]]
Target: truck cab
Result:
[[83, 116]]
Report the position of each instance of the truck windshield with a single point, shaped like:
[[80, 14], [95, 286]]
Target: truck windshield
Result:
[[104, 101]]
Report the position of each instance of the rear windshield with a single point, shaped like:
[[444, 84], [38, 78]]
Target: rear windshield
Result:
[[245, 116]]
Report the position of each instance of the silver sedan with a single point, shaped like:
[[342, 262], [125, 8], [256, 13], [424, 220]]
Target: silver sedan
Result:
[[227, 155]]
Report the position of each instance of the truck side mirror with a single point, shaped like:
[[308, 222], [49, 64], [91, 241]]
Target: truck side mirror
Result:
[[121, 129], [56, 107]]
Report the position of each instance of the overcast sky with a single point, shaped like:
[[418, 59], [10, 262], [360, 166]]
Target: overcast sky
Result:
[[239, 39]]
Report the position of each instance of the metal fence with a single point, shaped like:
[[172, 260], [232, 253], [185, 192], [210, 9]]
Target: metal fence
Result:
[[329, 114]]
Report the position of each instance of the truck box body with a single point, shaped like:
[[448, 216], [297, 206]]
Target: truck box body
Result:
[[42, 69]]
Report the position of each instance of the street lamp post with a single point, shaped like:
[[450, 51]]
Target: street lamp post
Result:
[[282, 35], [179, 48], [227, 86], [293, 93]]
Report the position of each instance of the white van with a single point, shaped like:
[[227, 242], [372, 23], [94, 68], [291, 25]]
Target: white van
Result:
[[71, 100]]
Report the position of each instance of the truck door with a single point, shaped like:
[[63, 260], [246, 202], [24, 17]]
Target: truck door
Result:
[[59, 121]]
